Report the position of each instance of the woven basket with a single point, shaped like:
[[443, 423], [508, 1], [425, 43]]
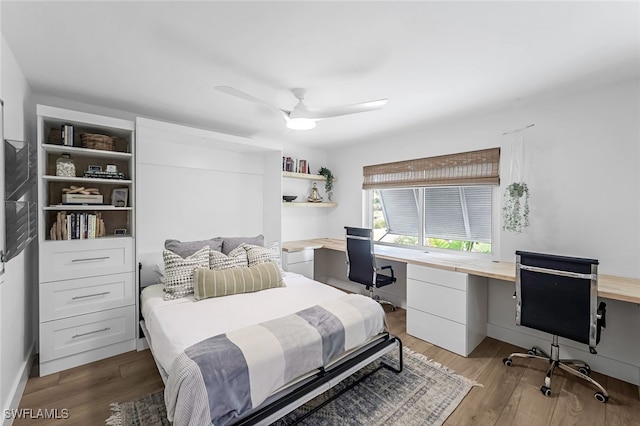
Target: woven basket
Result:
[[95, 141]]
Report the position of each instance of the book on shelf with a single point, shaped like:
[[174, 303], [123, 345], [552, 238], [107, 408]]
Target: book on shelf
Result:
[[77, 226], [295, 165]]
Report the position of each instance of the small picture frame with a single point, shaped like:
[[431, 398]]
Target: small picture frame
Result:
[[93, 168], [119, 197], [112, 168], [120, 231]]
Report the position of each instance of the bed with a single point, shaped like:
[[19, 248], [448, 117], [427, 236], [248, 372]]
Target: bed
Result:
[[173, 329]]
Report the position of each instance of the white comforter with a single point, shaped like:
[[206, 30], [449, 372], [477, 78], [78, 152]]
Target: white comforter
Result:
[[174, 325]]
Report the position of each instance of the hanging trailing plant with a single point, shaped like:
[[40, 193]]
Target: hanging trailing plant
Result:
[[515, 209], [515, 215], [328, 184]]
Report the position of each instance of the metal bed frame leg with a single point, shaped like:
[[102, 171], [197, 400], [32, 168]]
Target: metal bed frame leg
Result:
[[400, 359]]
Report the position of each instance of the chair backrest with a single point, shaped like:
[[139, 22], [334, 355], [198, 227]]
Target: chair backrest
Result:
[[361, 266], [558, 295]]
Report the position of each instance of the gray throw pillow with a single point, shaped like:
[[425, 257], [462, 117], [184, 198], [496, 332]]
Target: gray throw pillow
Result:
[[232, 242], [187, 248]]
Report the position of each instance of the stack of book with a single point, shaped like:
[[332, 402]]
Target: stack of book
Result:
[[295, 165], [77, 226]]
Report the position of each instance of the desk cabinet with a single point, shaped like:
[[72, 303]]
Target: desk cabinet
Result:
[[447, 309], [300, 262]]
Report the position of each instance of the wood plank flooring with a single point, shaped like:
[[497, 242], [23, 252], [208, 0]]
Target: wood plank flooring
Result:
[[509, 396]]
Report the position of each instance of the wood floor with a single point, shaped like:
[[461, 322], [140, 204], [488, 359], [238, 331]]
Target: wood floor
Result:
[[509, 396]]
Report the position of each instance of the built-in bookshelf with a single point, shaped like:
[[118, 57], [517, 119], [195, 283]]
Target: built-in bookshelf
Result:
[[86, 230]]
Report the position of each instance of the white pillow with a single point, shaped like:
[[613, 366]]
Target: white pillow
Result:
[[178, 272]]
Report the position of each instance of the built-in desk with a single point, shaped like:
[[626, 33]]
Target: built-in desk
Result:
[[454, 301], [609, 286]]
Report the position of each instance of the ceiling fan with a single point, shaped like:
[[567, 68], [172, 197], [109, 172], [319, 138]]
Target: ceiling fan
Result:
[[301, 117]]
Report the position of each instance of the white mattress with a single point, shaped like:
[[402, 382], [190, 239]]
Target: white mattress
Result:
[[174, 325]]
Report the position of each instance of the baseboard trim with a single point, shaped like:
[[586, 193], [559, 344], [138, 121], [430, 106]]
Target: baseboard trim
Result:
[[600, 363], [19, 385]]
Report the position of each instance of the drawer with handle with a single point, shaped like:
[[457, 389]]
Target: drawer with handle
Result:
[[62, 299], [63, 260], [81, 333]]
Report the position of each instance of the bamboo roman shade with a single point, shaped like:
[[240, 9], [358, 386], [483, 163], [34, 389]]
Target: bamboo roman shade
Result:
[[466, 168]]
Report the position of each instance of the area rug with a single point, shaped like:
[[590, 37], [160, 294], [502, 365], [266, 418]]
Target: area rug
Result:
[[425, 393]]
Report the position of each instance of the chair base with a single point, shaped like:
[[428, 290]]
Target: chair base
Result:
[[580, 368], [380, 301]]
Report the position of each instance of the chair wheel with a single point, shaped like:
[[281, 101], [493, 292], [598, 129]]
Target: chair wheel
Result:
[[532, 352], [585, 369], [507, 361], [600, 397], [546, 391]]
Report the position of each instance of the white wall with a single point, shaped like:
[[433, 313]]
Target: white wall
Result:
[[18, 292], [582, 166], [582, 163]]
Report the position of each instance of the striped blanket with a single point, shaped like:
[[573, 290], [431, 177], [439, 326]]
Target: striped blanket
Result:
[[220, 378]]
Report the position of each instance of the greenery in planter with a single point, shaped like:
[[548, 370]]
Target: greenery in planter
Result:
[[328, 185], [515, 216]]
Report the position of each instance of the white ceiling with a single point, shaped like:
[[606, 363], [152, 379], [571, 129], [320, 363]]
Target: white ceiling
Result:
[[432, 60]]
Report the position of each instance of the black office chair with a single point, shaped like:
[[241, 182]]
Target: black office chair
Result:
[[361, 263], [558, 295]]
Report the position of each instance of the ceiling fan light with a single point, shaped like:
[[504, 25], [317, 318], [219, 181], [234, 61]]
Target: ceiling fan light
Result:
[[301, 123]]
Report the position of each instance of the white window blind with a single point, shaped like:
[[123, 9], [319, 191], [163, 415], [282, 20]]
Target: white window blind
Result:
[[400, 210], [458, 213]]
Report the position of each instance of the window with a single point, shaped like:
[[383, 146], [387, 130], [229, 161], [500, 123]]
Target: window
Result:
[[444, 202], [453, 217]]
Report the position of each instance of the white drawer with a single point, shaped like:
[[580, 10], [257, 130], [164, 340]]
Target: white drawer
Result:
[[81, 333], [297, 256], [447, 334], [303, 268], [62, 299], [451, 279], [63, 260], [438, 300]]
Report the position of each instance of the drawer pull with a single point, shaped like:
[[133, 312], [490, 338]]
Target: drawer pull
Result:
[[91, 332], [90, 295], [90, 259]]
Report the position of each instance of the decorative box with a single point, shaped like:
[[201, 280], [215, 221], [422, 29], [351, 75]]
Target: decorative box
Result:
[[81, 199]]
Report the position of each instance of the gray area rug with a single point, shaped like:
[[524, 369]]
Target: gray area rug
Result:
[[425, 393]]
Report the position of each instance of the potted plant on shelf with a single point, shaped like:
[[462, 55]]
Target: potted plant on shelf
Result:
[[515, 216], [328, 184]]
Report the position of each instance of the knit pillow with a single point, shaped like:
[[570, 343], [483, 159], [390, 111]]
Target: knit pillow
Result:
[[269, 253], [178, 272], [237, 258]]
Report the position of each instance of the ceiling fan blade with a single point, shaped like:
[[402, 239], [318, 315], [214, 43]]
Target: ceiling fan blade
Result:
[[247, 97], [302, 111]]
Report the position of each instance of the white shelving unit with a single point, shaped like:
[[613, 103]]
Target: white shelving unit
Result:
[[87, 286]]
